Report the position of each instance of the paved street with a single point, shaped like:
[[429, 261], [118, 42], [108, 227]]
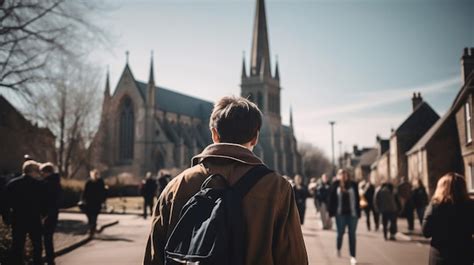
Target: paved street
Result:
[[125, 244]]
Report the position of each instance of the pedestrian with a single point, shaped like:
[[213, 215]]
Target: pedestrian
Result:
[[52, 185], [313, 183], [420, 199], [449, 222], [148, 191], [93, 197], [367, 191], [405, 196], [24, 207], [268, 211], [301, 194], [163, 181], [385, 204], [322, 195], [344, 205]]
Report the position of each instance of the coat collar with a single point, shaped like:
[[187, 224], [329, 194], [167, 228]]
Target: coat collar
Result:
[[229, 151]]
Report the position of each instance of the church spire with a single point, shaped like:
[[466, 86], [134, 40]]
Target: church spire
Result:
[[260, 47], [244, 70], [151, 85], [291, 118], [151, 79], [107, 83], [277, 70]]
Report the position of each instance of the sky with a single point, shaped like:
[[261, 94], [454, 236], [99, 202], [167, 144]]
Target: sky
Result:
[[352, 61]]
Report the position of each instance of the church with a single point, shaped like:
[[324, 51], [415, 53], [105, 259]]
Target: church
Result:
[[145, 127]]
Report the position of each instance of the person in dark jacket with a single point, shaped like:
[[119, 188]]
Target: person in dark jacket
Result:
[[24, 208], [386, 204], [420, 199], [301, 194], [148, 191], [52, 185], [93, 197], [344, 205], [322, 194], [449, 222], [405, 193], [367, 191]]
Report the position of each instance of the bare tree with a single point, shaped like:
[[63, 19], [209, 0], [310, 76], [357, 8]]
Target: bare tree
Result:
[[33, 32], [70, 107], [315, 162]]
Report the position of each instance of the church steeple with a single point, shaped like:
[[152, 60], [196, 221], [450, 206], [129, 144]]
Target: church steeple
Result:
[[260, 47], [244, 69]]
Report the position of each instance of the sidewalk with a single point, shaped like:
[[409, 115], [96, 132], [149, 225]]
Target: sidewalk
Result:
[[371, 247]]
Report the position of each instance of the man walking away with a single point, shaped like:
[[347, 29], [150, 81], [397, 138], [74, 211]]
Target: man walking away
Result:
[[420, 199], [149, 188], [404, 192], [269, 213], [385, 203], [322, 193], [52, 185], [24, 200], [93, 197], [367, 190]]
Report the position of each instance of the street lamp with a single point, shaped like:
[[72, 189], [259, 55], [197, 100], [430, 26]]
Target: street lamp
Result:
[[340, 154], [332, 144]]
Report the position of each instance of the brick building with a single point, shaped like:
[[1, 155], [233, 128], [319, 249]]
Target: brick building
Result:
[[408, 133], [18, 137]]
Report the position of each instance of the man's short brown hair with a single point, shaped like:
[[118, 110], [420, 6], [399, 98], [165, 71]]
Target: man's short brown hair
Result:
[[30, 166], [47, 168], [236, 120]]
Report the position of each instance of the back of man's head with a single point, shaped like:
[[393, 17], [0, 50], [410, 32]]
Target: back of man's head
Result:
[[236, 120], [47, 168], [30, 167]]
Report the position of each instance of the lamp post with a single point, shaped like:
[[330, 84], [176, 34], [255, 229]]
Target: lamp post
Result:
[[340, 154], [332, 145]]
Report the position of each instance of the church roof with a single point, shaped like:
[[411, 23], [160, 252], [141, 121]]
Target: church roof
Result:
[[174, 102], [260, 54]]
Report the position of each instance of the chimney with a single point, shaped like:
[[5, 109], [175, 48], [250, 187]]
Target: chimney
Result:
[[355, 150], [467, 63], [416, 100]]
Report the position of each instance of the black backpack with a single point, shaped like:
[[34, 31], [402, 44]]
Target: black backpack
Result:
[[211, 229]]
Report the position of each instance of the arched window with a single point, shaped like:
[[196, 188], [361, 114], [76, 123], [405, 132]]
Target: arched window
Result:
[[260, 100], [126, 130]]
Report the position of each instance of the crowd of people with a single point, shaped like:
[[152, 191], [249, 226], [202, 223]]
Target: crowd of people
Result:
[[448, 218]]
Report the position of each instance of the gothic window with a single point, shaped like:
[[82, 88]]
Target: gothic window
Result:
[[126, 130], [260, 100]]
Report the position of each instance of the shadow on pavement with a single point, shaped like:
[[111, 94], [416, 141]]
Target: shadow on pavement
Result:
[[112, 238], [74, 227]]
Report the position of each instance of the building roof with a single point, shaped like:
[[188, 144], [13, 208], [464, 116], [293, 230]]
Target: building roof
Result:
[[260, 56], [430, 133], [421, 115], [174, 102], [368, 157]]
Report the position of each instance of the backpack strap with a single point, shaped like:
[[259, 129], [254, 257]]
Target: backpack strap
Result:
[[249, 179]]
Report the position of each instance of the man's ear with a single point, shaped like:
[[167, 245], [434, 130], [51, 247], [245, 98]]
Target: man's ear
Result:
[[215, 136], [254, 141]]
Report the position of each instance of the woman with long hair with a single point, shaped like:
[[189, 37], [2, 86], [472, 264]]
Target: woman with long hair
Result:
[[344, 205], [301, 194], [449, 221]]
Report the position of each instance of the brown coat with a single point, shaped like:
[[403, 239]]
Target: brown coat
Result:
[[273, 228]]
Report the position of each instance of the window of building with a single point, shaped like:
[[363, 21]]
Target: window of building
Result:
[[126, 131], [468, 116], [260, 100]]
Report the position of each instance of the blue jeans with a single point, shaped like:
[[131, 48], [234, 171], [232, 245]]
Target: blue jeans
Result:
[[351, 222]]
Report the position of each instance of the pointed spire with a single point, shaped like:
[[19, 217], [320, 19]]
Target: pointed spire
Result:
[[244, 70], [291, 118], [277, 70], [107, 83], [260, 47], [151, 79], [127, 53]]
